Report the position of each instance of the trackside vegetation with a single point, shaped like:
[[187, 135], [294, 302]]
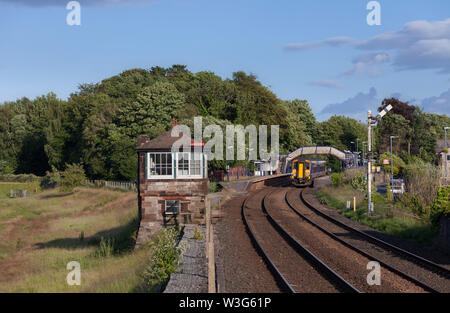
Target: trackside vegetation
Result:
[[95, 227], [415, 215]]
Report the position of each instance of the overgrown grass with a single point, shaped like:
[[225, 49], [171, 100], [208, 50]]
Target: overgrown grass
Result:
[[96, 228], [164, 260], [215, 187], [387, 217], [30, 187]]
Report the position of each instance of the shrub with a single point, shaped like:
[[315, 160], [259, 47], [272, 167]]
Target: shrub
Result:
[[215, 187], [51, 179], [72, 177], [350, 174], [5, 168], [410, 202], [440, 206], [359, 183], [388, 191], [164, 260], [422, 180], [336, 179]]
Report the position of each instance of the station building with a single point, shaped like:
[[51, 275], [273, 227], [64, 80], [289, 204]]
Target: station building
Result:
[[172, 186]]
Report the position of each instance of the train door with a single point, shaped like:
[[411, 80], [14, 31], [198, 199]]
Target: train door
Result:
[[307, 169], [300, 170]]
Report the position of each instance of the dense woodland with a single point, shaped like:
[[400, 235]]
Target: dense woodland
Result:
[[99, 124]]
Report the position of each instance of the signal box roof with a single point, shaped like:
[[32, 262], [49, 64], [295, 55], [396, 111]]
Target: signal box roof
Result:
[[164, 142]]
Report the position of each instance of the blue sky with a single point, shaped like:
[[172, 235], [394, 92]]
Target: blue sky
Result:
[[322, 51]]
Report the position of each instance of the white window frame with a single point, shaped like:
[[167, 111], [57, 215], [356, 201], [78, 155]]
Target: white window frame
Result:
[[189, 175], [171, 213], [150, 176], [175, 161]]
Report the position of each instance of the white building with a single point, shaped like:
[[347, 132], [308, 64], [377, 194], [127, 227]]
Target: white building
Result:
[[266, 167]]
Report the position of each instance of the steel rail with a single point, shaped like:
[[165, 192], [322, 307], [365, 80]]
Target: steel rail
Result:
[[275, 271], [367, 255], [304, 252], [418, 259]]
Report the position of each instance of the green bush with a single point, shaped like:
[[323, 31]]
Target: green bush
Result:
[[51, 179], [388, 191], [349, 174], [359, 183], [411, 203], [5, 168], [215, 187], [336, 179], [441, 205], [72, 177], [164, 260]]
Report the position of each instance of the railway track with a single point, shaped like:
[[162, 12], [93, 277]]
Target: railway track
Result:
[[295, 267], [298, 266], [428, 275]]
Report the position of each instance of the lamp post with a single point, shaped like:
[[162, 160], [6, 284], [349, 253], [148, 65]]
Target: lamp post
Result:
[[392, 159], [357, 151], [445, 136]]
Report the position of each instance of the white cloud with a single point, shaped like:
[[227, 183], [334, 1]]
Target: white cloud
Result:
[[366, 64], [359, 104], [334, 42], [418, 45], [325, 83], [438, 105]]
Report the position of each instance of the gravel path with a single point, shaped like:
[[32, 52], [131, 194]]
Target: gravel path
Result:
[[192, 276], [240, 268]]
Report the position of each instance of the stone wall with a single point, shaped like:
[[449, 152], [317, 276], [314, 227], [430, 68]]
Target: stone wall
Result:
[[152, 195]]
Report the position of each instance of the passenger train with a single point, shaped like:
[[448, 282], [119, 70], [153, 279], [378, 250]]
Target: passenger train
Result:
[[304, 172]]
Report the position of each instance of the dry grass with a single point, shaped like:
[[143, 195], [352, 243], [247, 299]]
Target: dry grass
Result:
[[41, 234]]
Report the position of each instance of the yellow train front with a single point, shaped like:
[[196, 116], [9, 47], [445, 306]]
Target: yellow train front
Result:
[[304, 172]]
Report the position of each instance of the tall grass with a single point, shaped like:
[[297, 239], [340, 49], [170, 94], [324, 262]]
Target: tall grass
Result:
[[387, 217]]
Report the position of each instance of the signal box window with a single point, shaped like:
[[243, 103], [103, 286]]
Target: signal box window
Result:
[[172, 207]]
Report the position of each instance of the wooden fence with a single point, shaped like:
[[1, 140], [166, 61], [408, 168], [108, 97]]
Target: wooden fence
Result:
[[113, 184]]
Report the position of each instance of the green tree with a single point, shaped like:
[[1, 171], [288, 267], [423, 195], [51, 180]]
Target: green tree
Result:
[[151, 113]]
